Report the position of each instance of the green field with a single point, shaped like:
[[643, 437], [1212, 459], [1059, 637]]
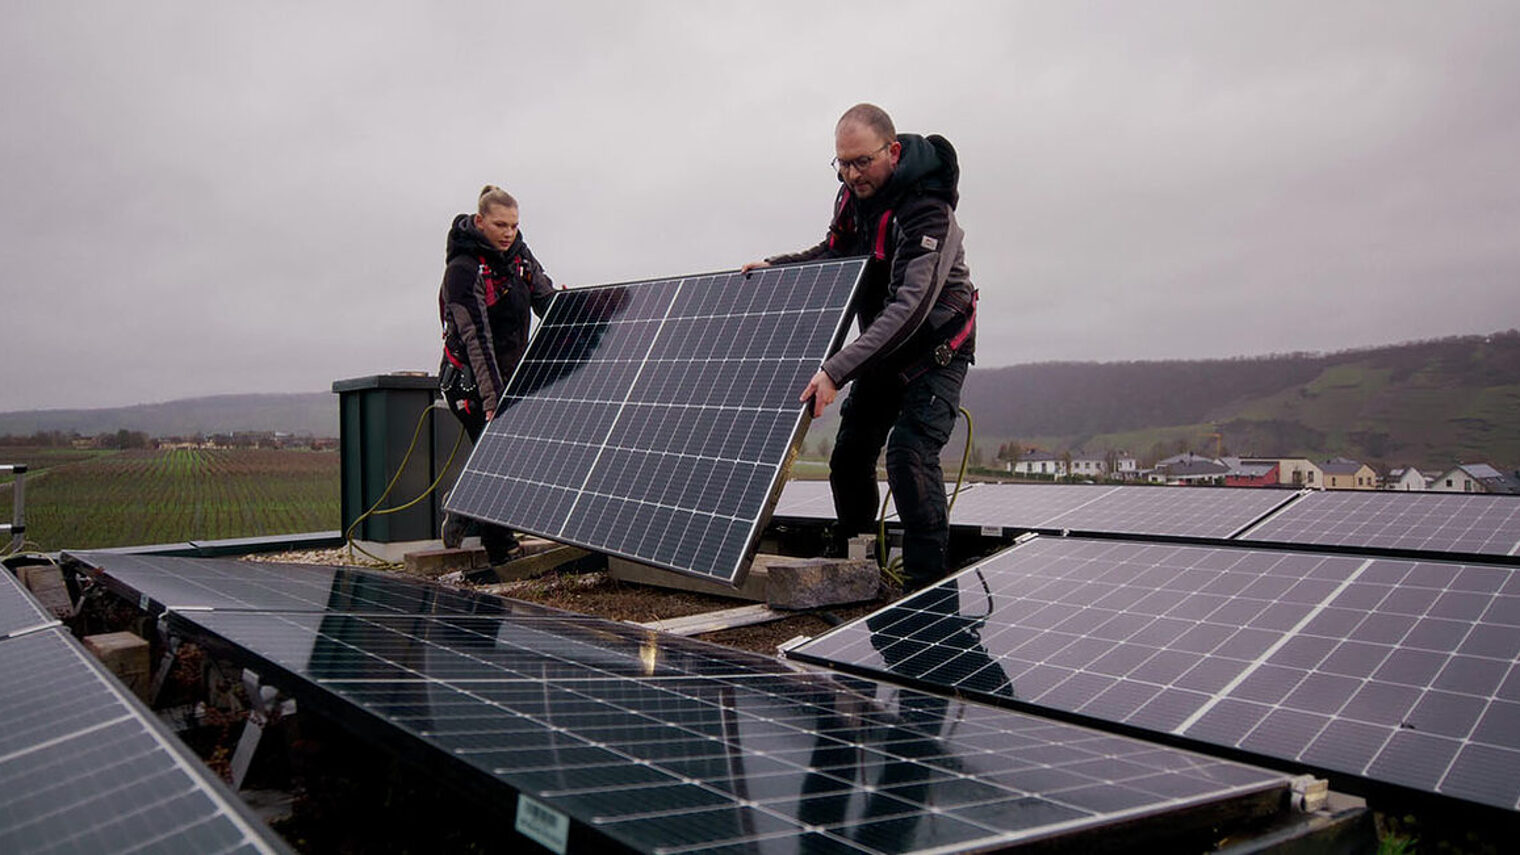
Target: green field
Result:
[[93, 499]]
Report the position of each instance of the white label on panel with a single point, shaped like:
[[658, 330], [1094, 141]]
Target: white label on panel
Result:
[[542, 823]]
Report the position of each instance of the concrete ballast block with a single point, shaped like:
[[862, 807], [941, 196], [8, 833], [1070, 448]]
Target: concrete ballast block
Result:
[[47, 586], [124, 655], [811, 583], [436, 562]]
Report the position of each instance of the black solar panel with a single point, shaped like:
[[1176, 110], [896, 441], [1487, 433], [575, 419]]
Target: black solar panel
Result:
[[85, 769], [808, 500], [1214, 512], [652, 420], [669, 745], [1029, 506], [224, 583], [666, 744], [1392, 671], [1180, 511], [814, 500], [1426, 522], [19, 612]]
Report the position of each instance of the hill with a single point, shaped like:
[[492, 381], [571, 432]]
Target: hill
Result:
[[1429, 403], [314, 413]]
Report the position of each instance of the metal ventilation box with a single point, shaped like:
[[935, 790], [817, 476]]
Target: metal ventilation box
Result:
[[378, 417]]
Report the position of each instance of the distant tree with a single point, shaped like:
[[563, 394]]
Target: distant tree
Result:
[[1066, 462], [1157, 452], [124, 439], [1013, 452]]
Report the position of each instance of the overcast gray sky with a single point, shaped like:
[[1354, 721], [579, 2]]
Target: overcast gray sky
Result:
[[205, 198]]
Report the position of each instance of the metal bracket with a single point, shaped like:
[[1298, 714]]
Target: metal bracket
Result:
[[165, 665], [266, 706], [1310, 793]]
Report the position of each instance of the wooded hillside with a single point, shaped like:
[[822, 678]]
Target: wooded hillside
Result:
[[1429, 403]]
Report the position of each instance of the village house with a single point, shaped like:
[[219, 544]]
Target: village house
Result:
[[1406, 478], [1250, 472], [1299, 472], [1188, 469], [1040, 463], [1338, 473], [1475, 478], [1087, 466]]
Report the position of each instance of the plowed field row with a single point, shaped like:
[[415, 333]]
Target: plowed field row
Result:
[[163, 496]]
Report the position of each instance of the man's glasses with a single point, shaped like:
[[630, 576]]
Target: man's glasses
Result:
[[858, 164]]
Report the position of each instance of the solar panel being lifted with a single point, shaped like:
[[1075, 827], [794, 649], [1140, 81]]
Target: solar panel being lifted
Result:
[[653, 420], [1416, 522], [1391, 671]]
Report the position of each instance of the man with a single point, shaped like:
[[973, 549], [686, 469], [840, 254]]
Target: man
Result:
[[916, 311]]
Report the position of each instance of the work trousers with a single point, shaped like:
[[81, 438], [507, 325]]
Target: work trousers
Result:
[[498, 541], [913, 419]]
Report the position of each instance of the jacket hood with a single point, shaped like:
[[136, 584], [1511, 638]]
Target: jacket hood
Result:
[[927, 165], [465, 239]]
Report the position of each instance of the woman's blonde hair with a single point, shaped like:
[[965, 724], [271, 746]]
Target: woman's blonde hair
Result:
[[492, 195]]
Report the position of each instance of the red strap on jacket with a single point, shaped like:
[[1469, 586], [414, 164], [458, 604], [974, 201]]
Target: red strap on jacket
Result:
[[965, 333], [881, 236], [844, 199], [880, 248]]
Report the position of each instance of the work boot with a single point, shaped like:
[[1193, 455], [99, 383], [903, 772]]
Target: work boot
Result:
[[453, 530], [500, 544]]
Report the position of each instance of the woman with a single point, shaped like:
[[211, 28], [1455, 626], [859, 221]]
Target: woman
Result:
[[490, 282]]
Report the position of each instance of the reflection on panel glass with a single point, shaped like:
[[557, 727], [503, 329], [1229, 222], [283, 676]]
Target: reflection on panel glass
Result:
[[1350, 664], [672, 745], [665, 743]]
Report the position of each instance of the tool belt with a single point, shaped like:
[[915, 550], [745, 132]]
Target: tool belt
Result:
[[456, 381], [952, 337]]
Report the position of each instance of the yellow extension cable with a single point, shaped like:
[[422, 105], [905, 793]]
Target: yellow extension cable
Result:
[[375, 511]]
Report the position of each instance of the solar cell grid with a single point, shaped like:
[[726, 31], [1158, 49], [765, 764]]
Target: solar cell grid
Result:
[[668, 744], [806, 500], [1020, 505], [224, 583], [1348, 664], [814, 500], [1180, 511], [651, 420], [1421, 522], [19, 611], [86, 770], [1215, 512]]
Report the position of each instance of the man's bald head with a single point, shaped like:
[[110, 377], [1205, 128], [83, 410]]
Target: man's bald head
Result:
[[866, 149], [873, 117]]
